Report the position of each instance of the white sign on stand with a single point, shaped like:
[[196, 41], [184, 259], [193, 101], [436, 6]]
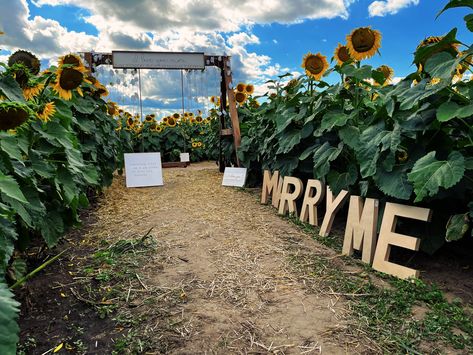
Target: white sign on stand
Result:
[[234, 177], [185, 157], [143, 169]]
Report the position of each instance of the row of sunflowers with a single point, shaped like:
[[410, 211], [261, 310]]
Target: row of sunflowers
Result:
[[410, 142], [57, 150]]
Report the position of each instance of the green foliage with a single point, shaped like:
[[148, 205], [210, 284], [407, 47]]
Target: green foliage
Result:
[[8, 326], [411, 141]]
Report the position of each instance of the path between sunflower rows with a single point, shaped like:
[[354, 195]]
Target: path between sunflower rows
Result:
[[229, 257]]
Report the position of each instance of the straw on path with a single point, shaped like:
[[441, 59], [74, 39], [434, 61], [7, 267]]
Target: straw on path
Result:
[[227, 257]]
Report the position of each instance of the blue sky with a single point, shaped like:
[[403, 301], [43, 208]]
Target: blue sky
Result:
[[266, 38]]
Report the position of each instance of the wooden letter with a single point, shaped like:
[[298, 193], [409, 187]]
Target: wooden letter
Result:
[[360, 231], [288, 199], [309, 206], [333, 205], [270, 185], [388, 237]]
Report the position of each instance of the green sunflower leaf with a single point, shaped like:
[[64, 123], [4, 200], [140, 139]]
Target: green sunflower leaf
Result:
[[9, 328], [429, 174]]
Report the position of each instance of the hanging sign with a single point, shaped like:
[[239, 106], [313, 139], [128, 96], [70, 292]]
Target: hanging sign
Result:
[[157, 60], [143, 169], [234, 177]]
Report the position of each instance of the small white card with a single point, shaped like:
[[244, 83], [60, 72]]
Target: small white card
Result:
[[143, 169], [234, 177], [185, 157]]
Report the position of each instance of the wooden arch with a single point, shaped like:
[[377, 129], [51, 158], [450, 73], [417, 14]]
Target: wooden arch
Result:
[[176, 60]]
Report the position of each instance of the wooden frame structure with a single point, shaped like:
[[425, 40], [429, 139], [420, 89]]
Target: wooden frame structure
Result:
[[93, 59]]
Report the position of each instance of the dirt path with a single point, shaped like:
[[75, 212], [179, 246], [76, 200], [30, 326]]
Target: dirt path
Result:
[[227, 256]]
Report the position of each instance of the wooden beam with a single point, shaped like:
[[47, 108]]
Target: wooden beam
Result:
[[232, 106]]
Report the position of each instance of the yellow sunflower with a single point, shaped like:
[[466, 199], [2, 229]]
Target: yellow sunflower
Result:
[[363, 43], [101, 89], [112, 108], [130, 122], [388, 73], [31, 92], [451, 48], [74, 61], [67, 80], [212, 99], [190, 114], [171, 122], [315, 65], [341, 54], [192, 120], [240, 97], [194, 144], [159, 129], [176, 115], [165, 119], [198, 119], [241, 87], [249, 89], [199, 144], [149, 119], [47, 112]]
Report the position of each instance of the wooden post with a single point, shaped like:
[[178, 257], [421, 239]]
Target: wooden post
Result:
[[232, 106]]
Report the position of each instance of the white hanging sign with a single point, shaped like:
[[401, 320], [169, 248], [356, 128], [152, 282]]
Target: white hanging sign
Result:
[[234, 177], [158, 60], [143, 169]]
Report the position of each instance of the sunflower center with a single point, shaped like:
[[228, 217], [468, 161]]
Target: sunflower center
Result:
[[343, 54], [171, 121], [12, 117], [240, 97], [314, 64], [70, 79], [363, 39]]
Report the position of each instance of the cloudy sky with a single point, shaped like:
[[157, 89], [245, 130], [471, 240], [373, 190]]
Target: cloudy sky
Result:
[[265, 38]]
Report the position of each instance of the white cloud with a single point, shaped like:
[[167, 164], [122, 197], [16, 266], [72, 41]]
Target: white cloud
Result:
[[389, 7]]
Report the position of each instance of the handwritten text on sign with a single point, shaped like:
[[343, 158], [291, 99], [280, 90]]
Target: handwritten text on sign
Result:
[[143, 169], [234, 177], [157, 60]]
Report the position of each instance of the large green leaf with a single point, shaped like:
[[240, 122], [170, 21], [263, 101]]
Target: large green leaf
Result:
[[288, 140], [456, 3], [8, 236], [9, 328], [457, 227], [85, 105], [442, 65], [10, 89], [429, 174], [52, 227], [332, 119], [9, 145], [342, 181], [322, 158], [10, 187], [449, 110], [394, 183]]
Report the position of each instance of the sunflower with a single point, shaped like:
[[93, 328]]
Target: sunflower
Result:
[[451, 48], [192, 120], [212, 99], [194, 144], [241, 87], [73, 61], [315, 65], [112, 108], [67, 80], [249, 89], [388, 73], [401, 156], [31, 92], [12, 115], [149, 119], [165, 119], [240, 97], [341, 54], [198, 119], [199, 144], [101, 89], [159, 129], [363, 43], [27, 59], [190, 114], [176, 115], [254, 103], [21, 74], [130, 122], [153, 115], [171, 122], [47, 112]]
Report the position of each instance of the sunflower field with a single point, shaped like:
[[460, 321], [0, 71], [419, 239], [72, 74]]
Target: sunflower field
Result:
[[410, 142], [57, 151]]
